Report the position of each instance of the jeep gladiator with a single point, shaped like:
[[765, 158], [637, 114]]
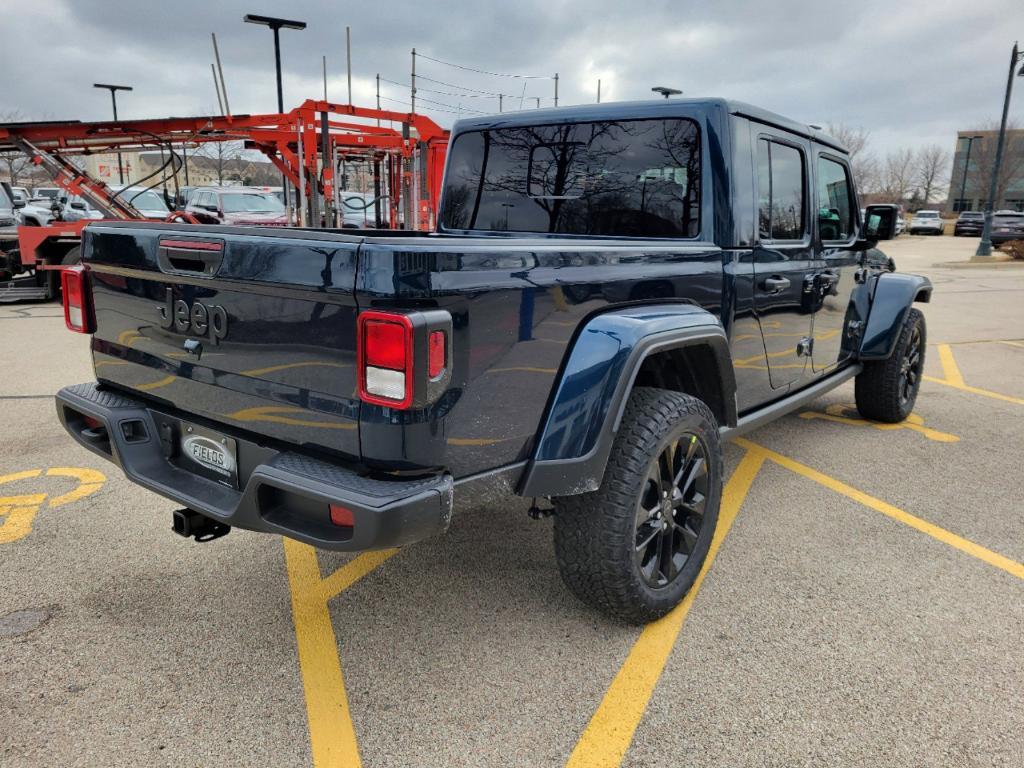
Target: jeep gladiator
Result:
[[611, 292]]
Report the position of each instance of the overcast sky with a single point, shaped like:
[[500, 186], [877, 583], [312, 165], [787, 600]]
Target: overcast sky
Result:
[[910, 73]]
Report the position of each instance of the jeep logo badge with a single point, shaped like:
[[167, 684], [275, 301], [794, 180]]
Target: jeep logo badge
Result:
[[209, 453], [198, 320]]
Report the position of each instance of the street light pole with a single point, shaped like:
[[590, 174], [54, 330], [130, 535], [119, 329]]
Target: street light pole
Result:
[[967, 162], [985, 246], [113, 100], [276, 25]]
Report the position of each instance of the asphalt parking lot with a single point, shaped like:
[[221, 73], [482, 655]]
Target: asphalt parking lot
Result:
[[864, 605]]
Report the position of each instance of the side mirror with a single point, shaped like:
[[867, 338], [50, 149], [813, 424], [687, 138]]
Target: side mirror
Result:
[[880, 222], [19, 202], [78, 205]]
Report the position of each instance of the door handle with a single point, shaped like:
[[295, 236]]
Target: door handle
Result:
[[828, 282], [775, 284]]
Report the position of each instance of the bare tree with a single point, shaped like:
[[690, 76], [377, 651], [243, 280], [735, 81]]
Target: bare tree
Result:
[[14, 164], [863, 163], [931, 166], [223, 158], [898, 175], [983, 157]]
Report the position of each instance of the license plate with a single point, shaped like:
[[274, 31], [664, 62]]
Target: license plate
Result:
[[209, 454]]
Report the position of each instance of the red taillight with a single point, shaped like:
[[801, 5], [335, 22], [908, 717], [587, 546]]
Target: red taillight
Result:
[[386, 343], [74, 284], [384, 352], [342, 516], [436, 353]]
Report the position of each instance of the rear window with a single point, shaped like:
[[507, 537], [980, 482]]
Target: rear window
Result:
[[927, 214], [1008, 218], [634, 178]]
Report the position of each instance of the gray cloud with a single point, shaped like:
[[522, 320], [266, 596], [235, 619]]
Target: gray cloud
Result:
[[911, 73]]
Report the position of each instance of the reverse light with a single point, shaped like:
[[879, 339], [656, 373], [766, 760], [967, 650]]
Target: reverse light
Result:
[[78, 312]]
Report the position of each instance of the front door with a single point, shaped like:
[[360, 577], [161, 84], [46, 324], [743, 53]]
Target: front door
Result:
[[784, 262], [835, 278]]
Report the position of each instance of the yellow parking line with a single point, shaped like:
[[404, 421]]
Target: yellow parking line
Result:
[[950, 370], [941, 534], [953, 378], [331, 733], [611, 729]]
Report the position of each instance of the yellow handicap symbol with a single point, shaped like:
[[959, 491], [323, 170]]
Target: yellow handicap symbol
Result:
[[18, 512], [846, 413]]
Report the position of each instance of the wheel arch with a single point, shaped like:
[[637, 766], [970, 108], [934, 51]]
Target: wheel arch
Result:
[[680, 347], [893, 295]]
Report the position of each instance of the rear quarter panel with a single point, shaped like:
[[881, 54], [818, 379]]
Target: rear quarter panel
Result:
[[516, 307]]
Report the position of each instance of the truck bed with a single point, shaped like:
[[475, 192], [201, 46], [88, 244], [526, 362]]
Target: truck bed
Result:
[[284, 370]]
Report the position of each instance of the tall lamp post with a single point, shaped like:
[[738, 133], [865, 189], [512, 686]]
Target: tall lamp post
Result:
[[277, 25], [985, 246], [113, 100], [967, 162]]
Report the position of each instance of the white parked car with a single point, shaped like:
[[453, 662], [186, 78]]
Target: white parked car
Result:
[[39, 211], [148, 202], [926, 223]]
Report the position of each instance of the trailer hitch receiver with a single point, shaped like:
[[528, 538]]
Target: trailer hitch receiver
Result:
[[194, 525]]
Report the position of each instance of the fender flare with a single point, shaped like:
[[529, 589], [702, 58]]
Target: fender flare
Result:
[[586, 406], [891, 299]]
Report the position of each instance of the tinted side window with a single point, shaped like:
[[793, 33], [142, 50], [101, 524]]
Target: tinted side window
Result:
[[835, 206], [780, 191], [635, 178]]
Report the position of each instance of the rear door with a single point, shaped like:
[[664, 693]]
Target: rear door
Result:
[[831, 290], [783, 258], [254, 329]]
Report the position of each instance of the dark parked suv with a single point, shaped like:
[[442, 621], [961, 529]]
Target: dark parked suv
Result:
[[238, 206], [969, 223], [1007, 226]]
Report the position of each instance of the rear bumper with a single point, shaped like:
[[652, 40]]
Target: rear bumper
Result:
[[998, 238], [281, 492]]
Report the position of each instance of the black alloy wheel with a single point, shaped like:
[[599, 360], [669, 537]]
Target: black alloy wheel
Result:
[[910, 367], [670, 510]]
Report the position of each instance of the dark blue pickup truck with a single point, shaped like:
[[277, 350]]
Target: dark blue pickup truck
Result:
[[612, 291]]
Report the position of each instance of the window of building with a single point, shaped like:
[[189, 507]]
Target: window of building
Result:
[[835, 201], [633, 178], [780, 179]]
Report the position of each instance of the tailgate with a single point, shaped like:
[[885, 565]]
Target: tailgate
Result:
[[253, 329]]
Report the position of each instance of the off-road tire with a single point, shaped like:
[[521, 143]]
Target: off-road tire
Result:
[[595, 533], [879, 388]]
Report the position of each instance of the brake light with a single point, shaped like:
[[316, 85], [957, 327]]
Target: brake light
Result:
[[78, 312], [385, 358]]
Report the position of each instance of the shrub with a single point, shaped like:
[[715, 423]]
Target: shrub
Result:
[[1014, 249]]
